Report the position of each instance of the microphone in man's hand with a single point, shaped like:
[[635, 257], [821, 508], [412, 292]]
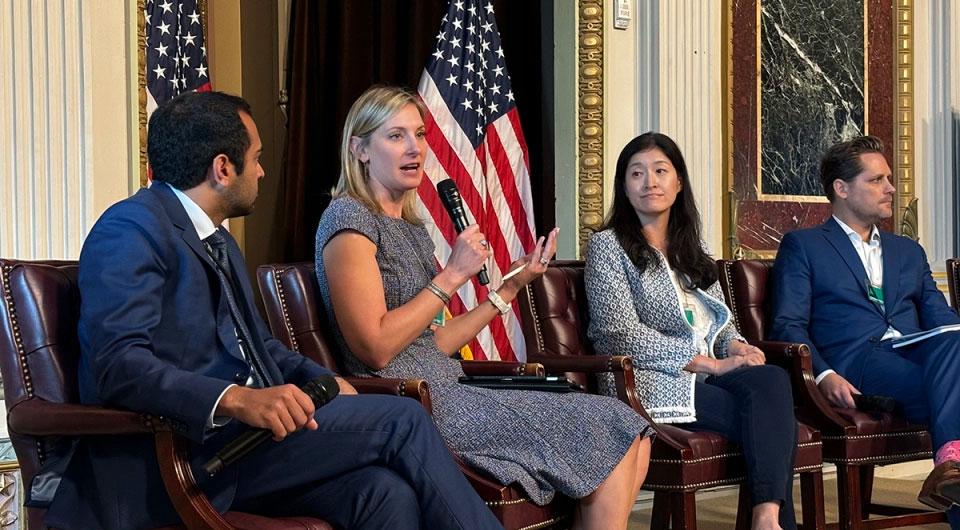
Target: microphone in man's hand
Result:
[[875, 403], [321, 390], [450, 197]]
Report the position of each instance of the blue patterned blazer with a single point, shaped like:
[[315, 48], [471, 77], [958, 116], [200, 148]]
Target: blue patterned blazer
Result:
[[639, 314]]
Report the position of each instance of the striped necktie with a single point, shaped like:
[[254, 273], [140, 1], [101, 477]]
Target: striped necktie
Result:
[[217, 248]]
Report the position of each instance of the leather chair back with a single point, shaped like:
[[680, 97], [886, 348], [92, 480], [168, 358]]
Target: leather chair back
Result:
[[39, 350], [953, 282], [559, 312], [747, 280], [305, 329]]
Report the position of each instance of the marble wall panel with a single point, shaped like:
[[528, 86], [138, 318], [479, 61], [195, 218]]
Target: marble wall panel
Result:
[[812, 90], [764, 205]]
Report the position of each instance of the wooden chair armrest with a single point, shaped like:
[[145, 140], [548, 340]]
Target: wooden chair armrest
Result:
[[411, 388], [38, 417], [191, 503], [584, 363], [812, 406], [501, 368]]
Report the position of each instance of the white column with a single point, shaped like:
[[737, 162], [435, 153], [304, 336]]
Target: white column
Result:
[[565, 108], [952, 42], [933, 83], [64, 118], [690, 101], [647, 29]]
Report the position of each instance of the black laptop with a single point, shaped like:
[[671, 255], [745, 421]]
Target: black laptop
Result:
[[523, 382]]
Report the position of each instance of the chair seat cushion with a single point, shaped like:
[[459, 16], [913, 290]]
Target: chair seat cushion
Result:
[[709, 459], [809, 453], [867, 423], [876, 438]]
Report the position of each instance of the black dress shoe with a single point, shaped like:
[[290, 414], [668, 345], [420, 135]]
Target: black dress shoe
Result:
[[941, 489]]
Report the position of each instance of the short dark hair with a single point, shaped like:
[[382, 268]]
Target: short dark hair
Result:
[[186, 133], [685, 252], [842, 161]]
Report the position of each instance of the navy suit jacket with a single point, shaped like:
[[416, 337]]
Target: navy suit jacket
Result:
[[156, 336], [819, 290]]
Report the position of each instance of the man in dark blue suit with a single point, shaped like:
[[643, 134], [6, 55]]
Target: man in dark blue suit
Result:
[[168, 327], [849, 291]]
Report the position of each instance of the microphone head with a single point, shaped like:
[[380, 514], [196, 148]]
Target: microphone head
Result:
[[321, 390], [449, 194]]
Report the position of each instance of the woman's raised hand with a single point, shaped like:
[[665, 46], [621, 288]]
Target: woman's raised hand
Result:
[[470, 252], [535, 263]]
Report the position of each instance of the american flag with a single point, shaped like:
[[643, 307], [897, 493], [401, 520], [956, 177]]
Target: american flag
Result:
[[474, 138], [175, 50]]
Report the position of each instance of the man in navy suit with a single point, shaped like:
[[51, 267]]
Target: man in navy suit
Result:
[[848, 291], [168, 327]]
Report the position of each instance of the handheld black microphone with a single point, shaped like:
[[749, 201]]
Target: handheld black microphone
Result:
[[321, 390], [450, 197]]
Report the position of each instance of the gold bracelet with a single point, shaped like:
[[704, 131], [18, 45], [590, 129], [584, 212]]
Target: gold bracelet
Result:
[[441, 294]]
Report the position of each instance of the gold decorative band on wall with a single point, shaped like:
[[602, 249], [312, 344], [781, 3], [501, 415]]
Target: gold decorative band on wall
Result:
[[590, 123], [142, 86], [906, 212], [142, 76]]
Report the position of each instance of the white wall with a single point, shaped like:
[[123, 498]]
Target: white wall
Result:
[[936, 98], [66, 121]]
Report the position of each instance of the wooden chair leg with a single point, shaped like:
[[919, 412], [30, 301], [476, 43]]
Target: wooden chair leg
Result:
[[866, 490], [684, 506], [744, 509], [660, 518], [811, 500], [848, 490]]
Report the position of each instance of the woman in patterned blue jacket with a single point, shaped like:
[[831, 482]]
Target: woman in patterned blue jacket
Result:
[[653, 295]]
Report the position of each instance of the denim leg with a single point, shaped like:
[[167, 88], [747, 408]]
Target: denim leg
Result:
[[754, 406]]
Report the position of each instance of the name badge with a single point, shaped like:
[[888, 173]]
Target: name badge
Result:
[[440, 320], [875, 294]]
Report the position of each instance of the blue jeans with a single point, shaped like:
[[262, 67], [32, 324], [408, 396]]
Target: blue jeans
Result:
[[753, 406]]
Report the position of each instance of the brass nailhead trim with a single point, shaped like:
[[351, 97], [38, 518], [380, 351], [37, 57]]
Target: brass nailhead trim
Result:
[[544, 524], [690, 487], [889, 459], [283, 307], [870, 436], [694, 461], [18, 341], [733, 301], [536, 318], [507, 503]]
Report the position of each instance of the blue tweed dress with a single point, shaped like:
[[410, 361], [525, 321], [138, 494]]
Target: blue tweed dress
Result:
[[546, 442]]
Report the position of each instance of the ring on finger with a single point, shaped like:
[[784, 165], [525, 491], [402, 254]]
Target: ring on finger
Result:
[[544, 261], [483, 243]]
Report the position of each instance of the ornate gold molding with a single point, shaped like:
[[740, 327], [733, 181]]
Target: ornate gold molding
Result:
[[142, 76], [903, 121], [590, 106], [142, 87]]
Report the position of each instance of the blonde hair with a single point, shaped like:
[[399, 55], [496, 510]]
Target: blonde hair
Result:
[[371, 110]]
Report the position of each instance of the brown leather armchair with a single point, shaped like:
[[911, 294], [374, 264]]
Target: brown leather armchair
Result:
[[953, 281], [555, 318], [295, 312], [39, 353], [855, 441]]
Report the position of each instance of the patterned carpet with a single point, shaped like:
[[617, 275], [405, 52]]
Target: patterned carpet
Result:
[[717, 509]]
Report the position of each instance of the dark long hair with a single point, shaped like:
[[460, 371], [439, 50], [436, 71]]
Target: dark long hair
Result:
[[685, 252]]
